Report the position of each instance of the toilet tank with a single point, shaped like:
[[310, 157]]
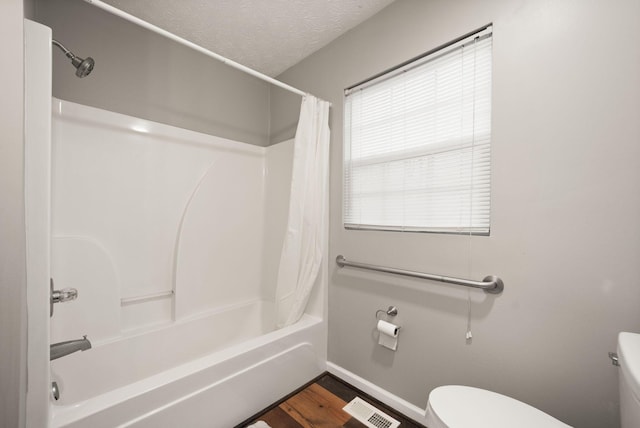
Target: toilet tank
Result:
[[629, 379]]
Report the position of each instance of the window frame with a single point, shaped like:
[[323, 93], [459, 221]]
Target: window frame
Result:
[[485, 32]]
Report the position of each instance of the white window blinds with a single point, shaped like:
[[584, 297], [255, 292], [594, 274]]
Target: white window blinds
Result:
[[417, 144]]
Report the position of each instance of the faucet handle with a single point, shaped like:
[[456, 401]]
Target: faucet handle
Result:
[[64, 295], [57, 296]]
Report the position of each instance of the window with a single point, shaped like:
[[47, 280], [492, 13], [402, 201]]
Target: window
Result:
[[417, 143]]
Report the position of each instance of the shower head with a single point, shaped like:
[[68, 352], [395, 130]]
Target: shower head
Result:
[[83, 66]]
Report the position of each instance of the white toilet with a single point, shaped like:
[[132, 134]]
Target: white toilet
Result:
[[454, 406]]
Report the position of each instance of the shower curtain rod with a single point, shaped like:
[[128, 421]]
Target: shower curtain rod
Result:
[[224, 60]]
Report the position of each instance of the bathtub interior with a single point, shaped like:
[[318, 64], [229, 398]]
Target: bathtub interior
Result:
[[164, 232], [135, 356], [225, 386]]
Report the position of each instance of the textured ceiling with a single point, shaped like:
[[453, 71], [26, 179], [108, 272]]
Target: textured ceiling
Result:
[[266, 35]]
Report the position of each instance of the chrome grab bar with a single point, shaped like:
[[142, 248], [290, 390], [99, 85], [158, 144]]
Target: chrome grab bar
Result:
[[490, 284]]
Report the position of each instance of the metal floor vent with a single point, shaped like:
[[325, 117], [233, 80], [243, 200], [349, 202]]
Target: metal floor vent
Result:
[[369, 415]]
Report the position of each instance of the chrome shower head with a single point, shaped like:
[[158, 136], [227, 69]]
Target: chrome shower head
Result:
[[83, 66]]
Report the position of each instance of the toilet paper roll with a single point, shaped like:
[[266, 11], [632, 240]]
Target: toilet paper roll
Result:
[[388, 335]]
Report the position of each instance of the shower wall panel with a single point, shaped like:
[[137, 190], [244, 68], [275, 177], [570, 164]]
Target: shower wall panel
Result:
[[151, 222]]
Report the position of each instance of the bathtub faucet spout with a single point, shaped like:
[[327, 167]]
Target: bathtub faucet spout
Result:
[[61, 349]]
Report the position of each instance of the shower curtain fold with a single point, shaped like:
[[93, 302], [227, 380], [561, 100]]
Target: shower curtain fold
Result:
[[304, 242]]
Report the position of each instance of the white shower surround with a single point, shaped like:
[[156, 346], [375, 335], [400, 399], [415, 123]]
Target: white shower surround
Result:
[[140, 208]]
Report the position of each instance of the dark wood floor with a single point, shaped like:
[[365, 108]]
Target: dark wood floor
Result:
[[319, 405]]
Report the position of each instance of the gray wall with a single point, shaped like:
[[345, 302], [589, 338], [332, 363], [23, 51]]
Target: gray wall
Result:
[[146, 75], [565, 233], [12, 231]]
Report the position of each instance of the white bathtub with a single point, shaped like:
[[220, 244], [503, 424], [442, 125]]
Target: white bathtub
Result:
[[212, 371]]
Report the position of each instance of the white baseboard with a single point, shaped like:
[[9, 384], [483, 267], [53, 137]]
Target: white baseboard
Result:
[[402, 406]]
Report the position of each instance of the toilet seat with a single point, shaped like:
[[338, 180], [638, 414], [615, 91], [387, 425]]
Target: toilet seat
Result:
[[455, 406]]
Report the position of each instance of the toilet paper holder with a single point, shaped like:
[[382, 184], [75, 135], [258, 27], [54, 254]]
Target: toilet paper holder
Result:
[[391, 311], [387, 331]]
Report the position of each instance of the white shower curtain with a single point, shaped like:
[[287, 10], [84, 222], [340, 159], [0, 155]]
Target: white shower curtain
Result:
[[306, 228]]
